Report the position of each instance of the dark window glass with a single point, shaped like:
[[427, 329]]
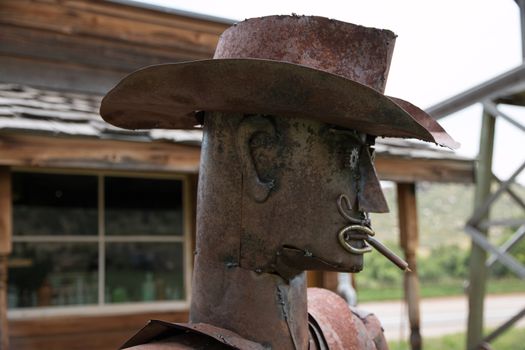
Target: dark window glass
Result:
[[51, 204], [143, 272], [51, 274], [136, 206]]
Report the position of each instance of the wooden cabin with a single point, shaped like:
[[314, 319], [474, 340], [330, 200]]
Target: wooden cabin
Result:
[[96, 222]]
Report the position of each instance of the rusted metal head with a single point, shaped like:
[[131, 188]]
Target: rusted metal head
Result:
[[286, 66]]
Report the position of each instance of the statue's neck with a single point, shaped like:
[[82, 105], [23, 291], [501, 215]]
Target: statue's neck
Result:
[[260, 307]]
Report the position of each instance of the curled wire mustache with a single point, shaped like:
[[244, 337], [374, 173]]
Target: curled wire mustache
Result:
[[359, 229]]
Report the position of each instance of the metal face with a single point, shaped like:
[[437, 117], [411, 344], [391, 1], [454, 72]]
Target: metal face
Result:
[[294, 172]]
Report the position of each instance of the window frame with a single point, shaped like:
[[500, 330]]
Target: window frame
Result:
[[101, 239]]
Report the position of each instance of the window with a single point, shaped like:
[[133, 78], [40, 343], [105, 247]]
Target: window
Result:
[[96, 239]]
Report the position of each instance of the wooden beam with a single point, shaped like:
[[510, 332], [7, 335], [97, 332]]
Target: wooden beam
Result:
[[102, 332], [322, 279], [405, 169], [190, 193], [4, 327], [193, 183], [478, 255], [330, 280], [314, 278], [96, 154], [5, 250], [114, 22], [5, 211], [88, 51], [58, 75], [89, 45], [408, 227]]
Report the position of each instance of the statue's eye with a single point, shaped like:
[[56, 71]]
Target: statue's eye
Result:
[[351, 158]]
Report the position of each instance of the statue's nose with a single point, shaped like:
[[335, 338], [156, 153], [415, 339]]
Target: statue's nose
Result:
[[370, 197]]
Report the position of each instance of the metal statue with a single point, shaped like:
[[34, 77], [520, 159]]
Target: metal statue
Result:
[[290, 108]]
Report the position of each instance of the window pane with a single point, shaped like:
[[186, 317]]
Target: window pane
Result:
[[144, 272], [53, 274], [136, 206], [52, 204]]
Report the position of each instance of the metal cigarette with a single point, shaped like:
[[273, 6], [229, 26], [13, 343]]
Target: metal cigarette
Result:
[[387, 253]]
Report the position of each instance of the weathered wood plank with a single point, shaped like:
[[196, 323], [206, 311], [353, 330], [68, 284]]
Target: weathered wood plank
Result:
[[32, 150], [89, 46], [4, 327], [104, 54], [407, 213], [57, 152], [314, 278], [322, 279], [329, 280], [57, 325], [404, 169], [168, 17], [87, 341], [57, 75], [83, 332], [5, 249], [80, 19], [5, 211], [408, 227]]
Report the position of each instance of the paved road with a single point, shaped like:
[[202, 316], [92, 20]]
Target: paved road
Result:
[[441, 316]]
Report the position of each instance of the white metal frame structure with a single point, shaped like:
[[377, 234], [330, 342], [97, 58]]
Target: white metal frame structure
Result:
[[508, 88]]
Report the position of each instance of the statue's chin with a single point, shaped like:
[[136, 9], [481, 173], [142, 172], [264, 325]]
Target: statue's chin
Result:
[[293, 260]]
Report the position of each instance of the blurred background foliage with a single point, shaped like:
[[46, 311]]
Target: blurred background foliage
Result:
[[443, 254]]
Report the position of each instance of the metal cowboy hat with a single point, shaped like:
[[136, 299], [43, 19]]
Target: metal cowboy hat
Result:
[[289, 66]]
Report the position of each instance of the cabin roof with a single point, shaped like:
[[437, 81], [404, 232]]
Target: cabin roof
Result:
[[27, 109]]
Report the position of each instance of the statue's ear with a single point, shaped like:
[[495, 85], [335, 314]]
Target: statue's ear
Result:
[[257, 144]]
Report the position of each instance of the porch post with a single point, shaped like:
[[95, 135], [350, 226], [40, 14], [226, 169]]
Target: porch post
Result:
[[408, 227], [5, 250]]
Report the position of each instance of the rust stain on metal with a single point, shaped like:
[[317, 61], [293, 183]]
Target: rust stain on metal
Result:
[[325, 44], [342, 329]]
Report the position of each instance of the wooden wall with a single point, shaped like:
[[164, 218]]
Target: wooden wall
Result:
[[404, 169], [82, 332], [83, 153], [88, 45], [5, 249], [85, 332]]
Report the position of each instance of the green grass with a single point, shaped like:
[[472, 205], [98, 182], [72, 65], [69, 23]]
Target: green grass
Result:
[[513, 339], [442, 289]]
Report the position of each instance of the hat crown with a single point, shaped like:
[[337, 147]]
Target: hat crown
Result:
[[355, 52]]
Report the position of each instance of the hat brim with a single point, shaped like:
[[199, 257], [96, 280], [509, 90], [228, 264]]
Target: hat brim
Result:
[[167, 97]]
